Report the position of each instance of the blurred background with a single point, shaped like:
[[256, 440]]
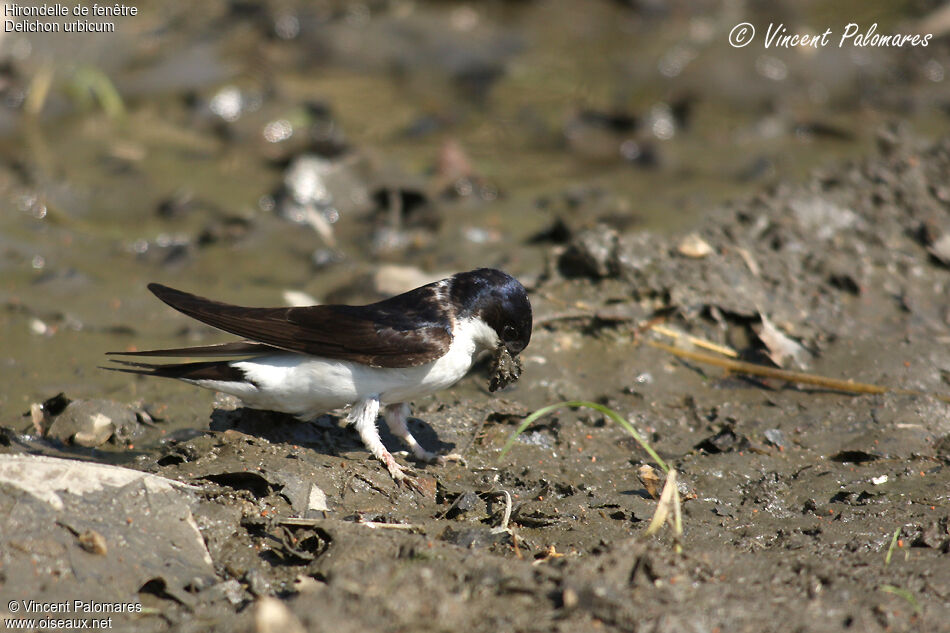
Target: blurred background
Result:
[[283, 152]]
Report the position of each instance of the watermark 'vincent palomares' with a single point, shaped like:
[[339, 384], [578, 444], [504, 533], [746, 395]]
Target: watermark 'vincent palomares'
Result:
[[778, 36]]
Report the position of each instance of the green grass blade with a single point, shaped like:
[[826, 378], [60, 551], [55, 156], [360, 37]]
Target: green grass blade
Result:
[[903, 593], [610, 413], [890, 550], [90, 81]]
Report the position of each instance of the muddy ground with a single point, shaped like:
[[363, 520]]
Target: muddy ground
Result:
[[473, 138]]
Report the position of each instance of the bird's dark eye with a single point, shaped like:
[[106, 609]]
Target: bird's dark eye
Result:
[[508, 332]]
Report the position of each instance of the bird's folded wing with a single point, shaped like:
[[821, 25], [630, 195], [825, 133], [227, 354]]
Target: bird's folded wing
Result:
[[404, 331]]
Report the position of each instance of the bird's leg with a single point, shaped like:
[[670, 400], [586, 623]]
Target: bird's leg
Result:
[[363, 417], [396, 415]]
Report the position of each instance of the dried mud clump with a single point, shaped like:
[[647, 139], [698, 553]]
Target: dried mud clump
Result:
[[506, 369]]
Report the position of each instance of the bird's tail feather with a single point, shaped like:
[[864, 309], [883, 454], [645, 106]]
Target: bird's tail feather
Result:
[[208, 370]]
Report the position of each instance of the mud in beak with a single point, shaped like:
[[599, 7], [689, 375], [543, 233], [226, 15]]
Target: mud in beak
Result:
[[506, 369]]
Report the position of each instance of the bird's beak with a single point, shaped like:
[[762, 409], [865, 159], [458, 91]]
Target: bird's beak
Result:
[[514, 348]]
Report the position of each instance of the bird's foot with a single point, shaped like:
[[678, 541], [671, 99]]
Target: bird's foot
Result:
[[402, 475], [442, 460], [433, 458], [396, 471]]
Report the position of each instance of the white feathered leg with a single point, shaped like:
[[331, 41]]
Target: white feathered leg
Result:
[[363, 417], [396, 415]]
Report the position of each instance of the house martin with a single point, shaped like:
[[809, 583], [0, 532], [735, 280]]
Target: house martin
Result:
[[309, 360]]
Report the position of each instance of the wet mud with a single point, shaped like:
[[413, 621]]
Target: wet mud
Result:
[[506, 369], [804, 506]]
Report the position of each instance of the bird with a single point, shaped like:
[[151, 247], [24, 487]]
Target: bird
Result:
[[310, 360]]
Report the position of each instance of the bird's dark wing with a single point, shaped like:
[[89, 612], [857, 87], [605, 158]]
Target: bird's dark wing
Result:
[[404, 331], [237, 348]]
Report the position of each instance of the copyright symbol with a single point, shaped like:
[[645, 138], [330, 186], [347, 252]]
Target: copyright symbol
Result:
[[741, 35], [13, 606]]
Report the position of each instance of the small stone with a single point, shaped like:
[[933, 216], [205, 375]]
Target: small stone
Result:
[[100, 429], [569, 598], [941, 249], [592, 253], [390, 279], [307, 584], [775, 437], [273, 616], [256, 583], [91, 423], [694, 246], [317, 501]]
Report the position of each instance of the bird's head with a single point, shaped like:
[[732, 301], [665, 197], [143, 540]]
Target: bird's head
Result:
[[500, 301]]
